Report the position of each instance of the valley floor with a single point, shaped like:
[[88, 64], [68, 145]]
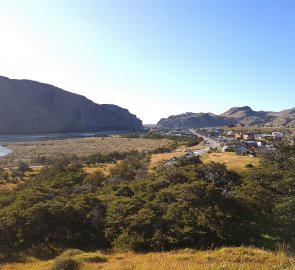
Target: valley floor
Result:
[[221, 259], [28, 151]]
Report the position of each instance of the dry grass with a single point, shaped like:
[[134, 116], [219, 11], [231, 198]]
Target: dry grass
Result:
[[80, 147], [180, 151], [104, 168], [231, 160], [8, 186], [222, 259], [158, 158]]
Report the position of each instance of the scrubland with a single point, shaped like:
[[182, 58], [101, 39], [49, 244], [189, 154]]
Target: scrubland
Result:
[[221, 259]]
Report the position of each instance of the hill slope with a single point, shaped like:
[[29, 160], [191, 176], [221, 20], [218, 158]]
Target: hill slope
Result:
[[247, 116], [33, 107], [244, 115], [194, 120]]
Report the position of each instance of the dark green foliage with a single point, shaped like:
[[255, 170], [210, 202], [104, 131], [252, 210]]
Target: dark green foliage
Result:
[[130, 242], [193, 141], [188, 141], [108, 158], [93, 181], [52, 209], [4, 176], [276, 177], [22, 168], [186, 204], [133, 167], [65, 263]]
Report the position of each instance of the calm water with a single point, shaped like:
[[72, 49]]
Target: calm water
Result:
[[57, 136], [4, 151]]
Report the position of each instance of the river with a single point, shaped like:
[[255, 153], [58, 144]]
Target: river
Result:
[[4, 151], [58, 136]]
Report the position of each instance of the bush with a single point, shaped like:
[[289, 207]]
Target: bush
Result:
[[65, 263], [71, 252], [134, 242], [93, 257]]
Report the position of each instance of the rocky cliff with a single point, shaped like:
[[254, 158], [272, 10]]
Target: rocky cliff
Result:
[[33, 107]]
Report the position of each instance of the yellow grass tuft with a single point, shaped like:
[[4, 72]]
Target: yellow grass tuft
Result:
[[221, 259], [104, 168], [231, 160]]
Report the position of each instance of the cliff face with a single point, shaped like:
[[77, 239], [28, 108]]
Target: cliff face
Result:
[[33, 107]]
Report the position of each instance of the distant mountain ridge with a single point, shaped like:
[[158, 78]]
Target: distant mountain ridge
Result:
[[28, 107], [236, 115], [194, 120]]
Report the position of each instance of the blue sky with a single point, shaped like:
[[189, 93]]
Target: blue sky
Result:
[[156, 57]]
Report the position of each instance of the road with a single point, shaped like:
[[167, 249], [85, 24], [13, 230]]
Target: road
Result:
[[210, 143]]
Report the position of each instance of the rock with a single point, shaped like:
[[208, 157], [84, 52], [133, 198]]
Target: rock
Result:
[[28, 107]]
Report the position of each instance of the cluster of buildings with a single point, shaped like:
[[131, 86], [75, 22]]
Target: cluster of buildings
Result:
[[246, 142], [181, 132]]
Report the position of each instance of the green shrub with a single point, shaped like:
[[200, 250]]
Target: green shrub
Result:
[[94, 257], [65, 263], [133, 242]]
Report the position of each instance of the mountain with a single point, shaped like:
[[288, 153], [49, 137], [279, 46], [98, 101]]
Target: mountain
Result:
[[195, 120], [248, 117], [245, 115], [28, 107], [236, 115]]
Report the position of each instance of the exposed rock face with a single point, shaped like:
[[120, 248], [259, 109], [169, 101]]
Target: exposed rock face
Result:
[[243, 115], [194, 120], [31, 107]]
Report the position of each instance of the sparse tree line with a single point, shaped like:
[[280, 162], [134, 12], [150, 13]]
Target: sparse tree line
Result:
[[13, 175], [185, 205], [188, 141]]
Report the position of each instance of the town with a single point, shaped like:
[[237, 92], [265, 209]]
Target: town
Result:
[[241, 142]]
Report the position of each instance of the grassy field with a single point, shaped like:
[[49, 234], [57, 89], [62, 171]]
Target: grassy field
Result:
[[180, 151], [221, 259], [80, 147], [231, 160]]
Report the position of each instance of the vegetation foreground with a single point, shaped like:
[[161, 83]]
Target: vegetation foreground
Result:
[[220, 259], [147, 215]]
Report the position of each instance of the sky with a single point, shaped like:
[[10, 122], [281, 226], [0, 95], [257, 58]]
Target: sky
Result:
[[155, 57]]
